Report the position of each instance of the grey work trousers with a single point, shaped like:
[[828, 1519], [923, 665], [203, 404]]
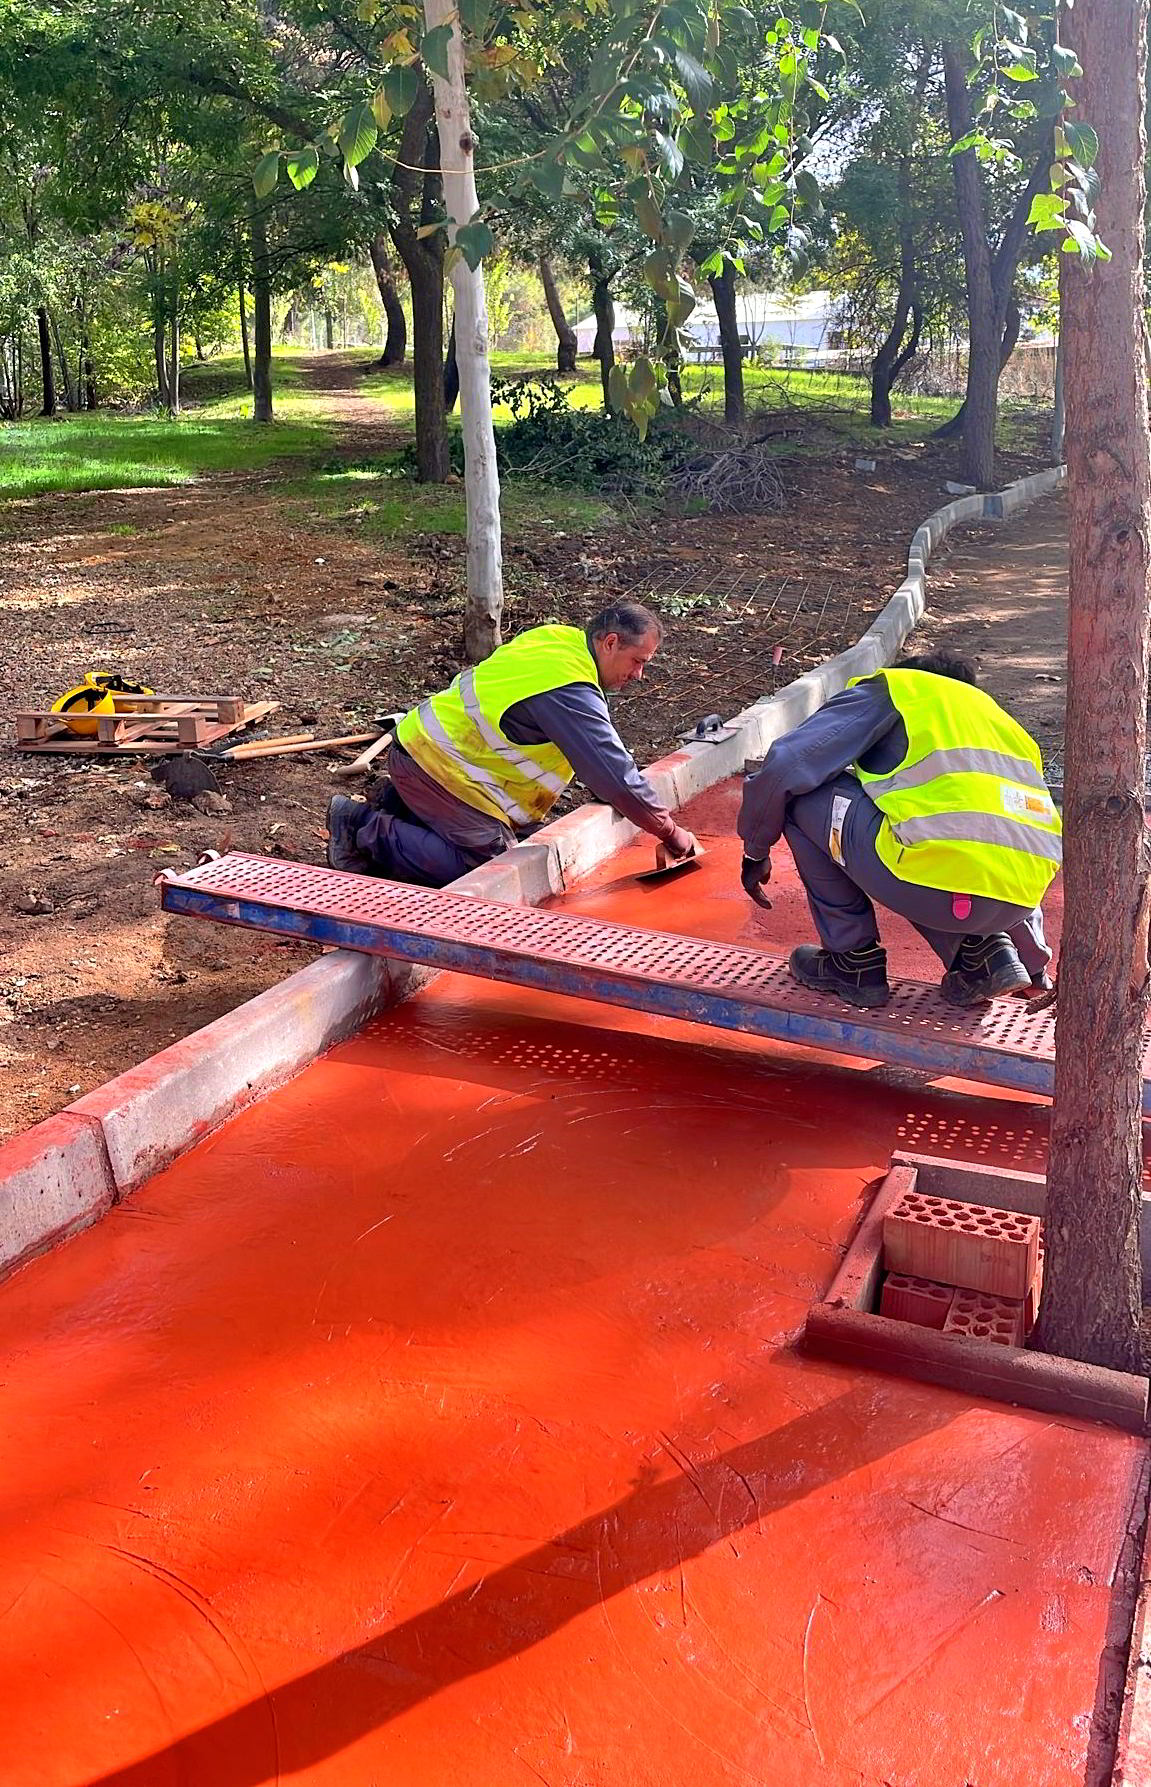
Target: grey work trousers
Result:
[[841, 896]]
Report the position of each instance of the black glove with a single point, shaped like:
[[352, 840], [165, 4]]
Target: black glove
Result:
[[754, 871]]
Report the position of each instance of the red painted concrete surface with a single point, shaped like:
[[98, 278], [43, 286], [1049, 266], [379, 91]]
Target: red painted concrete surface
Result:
[[438, 1423]]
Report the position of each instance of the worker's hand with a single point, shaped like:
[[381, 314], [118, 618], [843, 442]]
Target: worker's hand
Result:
[[681, 843], [754, 872]]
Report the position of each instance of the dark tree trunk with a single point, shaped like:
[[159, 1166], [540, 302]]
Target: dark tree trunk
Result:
[[329, 328], [979, 404], [71, 387], [261, 319], [91, 395], [47, 370], [723, 297], [1091, 1292], [990, 278], [244, 342], [899, 346], [451, 373], [566, 342], [174, 334], [417, 200], [396, 342], [200, 354], [603, 348]]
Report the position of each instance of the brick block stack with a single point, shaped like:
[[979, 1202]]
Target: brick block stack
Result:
[[963, 1269]]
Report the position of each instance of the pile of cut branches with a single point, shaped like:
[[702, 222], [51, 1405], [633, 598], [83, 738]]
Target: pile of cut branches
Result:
[[741, 479]]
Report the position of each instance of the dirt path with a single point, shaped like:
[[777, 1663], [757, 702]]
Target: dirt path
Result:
[[1000, 596], [244, 584]]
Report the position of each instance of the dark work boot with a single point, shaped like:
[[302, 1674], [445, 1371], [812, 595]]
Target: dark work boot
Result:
[[345, 817], [984, 968], [857, 975]]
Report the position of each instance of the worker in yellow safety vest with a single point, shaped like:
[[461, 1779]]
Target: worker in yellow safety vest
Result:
[[480, 765], [913, 790]]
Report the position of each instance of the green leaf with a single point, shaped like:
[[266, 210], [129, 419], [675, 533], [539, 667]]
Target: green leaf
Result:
[[1021, 71], [970, 141], [474, 240], [659, 271], [266, 173], [807, 189], [1083, 143], [401, 85], [381, 110], [547, 176], [302, 166], [617, 392], [358, 133], [352, 176], [695, 78], [1066, 62], [474, 16], [434, 50], [644, 382], [648, 217], [1048, 212], [1084, 242], [670, 155], [678, 230]]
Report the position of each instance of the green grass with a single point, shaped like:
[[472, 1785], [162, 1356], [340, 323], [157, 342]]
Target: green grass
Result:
[[104, 451], [376, 506]]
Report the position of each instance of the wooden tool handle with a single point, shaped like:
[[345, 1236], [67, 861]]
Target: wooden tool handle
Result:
[[283, 747], [365, 758]]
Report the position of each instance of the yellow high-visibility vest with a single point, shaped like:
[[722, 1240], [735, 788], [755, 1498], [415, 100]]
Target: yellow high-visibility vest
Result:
[[967, 811], [457, 736]]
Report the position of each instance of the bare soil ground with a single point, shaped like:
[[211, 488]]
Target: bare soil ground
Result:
[[232, 585]]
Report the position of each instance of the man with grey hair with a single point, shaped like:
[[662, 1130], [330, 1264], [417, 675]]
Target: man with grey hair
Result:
[[479, 766]]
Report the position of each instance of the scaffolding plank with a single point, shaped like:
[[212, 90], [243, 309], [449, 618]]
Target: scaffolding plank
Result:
[[727, 986]]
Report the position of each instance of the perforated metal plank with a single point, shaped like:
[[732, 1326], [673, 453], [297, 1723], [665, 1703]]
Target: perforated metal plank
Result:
[[732, 988]]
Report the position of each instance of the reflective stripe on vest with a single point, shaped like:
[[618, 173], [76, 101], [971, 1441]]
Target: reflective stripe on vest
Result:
[[503, 747], [961, 816], [457, 736]]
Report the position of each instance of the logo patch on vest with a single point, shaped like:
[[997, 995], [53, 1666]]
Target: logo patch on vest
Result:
[[1026, 803]]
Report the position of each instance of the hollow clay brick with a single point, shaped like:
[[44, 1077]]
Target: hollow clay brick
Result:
[[917, 1300], [975, 1316], [968, 1245]]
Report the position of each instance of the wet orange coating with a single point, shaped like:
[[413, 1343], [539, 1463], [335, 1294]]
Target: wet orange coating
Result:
[[438, 1424]]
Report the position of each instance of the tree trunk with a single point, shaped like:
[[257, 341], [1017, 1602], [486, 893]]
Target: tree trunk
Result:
[[603, 347], [47, 370], [71, 388], [1091, 1289], [329, 328], [174, 343], [261, 319], [424, 265], [396, 342], [200, 354], [91, 397], [485, 594], [451, 372], [723, 297], [244, 342], [983, 337], [1059, 413], [566, 342]]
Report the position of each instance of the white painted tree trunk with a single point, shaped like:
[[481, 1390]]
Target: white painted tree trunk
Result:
[[485, 594]]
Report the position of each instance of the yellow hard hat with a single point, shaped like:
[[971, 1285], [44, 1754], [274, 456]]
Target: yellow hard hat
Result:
[[95, 695]]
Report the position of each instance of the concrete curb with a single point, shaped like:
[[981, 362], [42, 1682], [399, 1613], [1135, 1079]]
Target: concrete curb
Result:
[[54, 1180]]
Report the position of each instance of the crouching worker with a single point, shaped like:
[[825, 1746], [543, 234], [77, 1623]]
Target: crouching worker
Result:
[[913, 790], [479, 766]]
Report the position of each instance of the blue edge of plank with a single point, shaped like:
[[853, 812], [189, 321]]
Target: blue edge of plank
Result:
[[919, 1049]]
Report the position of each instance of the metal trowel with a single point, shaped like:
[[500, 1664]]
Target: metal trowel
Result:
[[666, 866]]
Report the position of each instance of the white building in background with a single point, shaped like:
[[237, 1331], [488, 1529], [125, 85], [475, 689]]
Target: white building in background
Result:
[[798, 330]]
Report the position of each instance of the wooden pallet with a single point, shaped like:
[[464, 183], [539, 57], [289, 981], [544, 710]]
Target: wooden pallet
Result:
[[151, 725]]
